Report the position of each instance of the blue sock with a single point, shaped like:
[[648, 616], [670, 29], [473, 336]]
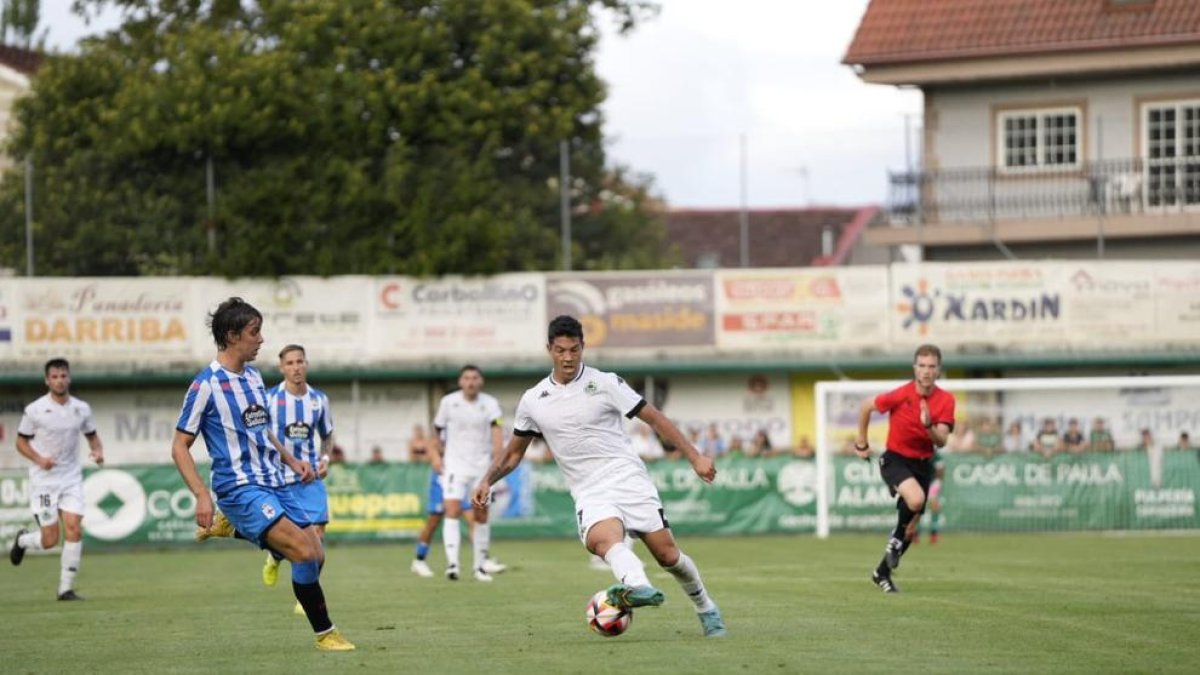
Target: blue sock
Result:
[[422, 550]]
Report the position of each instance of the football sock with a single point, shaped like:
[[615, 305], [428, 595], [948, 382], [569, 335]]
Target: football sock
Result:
[[451, 537], [30, 541], [688, 576], [276, 555], [312, 599], [422, 549], [933, 522], [72, 552], [626, 566], [481, 540]]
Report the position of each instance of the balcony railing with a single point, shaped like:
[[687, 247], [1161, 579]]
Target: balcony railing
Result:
[[1111, 187]]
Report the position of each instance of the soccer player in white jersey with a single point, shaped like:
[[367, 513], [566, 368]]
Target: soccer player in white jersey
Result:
[[470, 422], [227, 404], [579, 411], [48, 436], [300, 413]]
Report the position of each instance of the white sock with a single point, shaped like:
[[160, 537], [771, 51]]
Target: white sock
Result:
[[688, 576], [451, 538], [481, 541], [30, 541], [71, 553], [626, 566]]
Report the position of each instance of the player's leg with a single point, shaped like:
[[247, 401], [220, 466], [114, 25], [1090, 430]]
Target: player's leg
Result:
[[452, 536], [453, 488], [661, 544], [435, 509], [603, 533], [43, 502], [934, 505], [302, 548], [274, 519], [72, 551], [481, 539], [898, 474]]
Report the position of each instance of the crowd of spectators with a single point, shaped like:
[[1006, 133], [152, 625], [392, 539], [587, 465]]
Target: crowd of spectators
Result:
[[1047, 439]]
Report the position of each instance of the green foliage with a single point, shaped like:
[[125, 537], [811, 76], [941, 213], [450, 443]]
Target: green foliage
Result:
[[353, 137], [21, 18]]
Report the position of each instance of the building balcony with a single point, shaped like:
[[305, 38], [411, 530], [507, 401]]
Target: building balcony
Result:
[[1131, 198]]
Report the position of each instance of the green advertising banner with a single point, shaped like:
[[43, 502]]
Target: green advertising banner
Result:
[[1130, 490], [149, 505]]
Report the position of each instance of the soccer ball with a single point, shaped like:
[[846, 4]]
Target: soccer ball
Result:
[[605, 619]]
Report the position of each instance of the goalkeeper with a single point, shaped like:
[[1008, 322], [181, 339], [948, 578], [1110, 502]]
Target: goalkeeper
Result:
[[920, 418]]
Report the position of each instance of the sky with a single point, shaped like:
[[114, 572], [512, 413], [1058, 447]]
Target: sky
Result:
[[686, 86]]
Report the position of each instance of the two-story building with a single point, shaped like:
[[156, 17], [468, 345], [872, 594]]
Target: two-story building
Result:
[[1051, 128]]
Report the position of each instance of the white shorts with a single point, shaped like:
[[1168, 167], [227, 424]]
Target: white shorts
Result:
[[46, 500], [459, 486], [639, 515]]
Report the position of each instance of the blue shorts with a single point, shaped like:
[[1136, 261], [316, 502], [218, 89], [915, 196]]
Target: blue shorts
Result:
[[436, 506], [313, 500], [254, 510]]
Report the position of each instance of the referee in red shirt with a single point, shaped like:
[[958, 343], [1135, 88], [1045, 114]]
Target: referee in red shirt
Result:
[[921, 417]]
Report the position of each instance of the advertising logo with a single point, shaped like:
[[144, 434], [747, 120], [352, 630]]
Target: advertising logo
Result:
[[115, 504]]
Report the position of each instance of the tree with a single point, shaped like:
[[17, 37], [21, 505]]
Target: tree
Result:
[[20, 17], [416, 137]]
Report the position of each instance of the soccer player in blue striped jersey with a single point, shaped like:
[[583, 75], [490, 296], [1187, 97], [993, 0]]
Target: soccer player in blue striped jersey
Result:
[[227, 405], [300, 413]]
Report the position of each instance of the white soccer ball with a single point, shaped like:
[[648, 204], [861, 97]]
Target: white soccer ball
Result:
[[605, 619]]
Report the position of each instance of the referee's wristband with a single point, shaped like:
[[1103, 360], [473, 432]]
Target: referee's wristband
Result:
[[862, 447]]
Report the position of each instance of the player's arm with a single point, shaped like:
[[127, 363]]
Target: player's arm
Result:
[[862, 447], [497, 439], [181, 454], [501, 467], [97, 447], [302, 469], [939, 432], [435, 449], [326, 448], [26, 449], [666, 429]]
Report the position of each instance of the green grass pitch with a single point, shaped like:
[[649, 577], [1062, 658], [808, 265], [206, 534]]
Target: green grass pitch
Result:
[[1006, 603]]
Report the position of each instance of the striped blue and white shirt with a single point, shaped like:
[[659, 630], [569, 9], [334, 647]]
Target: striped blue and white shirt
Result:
[[298, 421], [230, 411]]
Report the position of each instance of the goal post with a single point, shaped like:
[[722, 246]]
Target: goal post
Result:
[[1004, 470]]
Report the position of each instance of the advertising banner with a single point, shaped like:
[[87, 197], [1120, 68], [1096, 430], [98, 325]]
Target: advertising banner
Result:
[[1024, 305], [815, 308], [646, 310], [7, 296], [329, 317], [459, 317], [1023, 492], [141, 321], [149, 505]]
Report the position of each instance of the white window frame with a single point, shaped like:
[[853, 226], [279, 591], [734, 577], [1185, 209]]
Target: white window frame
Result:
[[1177, 161], [1040, 115]]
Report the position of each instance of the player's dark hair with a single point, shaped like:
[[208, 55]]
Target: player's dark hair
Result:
[[469, 367], [292, 348], [231, 316], [564, 326], [928, 350], [57, 363]]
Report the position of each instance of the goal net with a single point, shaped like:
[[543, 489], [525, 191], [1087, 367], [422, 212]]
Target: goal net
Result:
[[1028, 454]]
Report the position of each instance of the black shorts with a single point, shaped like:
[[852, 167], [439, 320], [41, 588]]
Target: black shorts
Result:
[[896, 469]]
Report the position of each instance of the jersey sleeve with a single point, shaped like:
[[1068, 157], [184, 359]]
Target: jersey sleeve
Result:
[[495, 414], [439, 419], [523, 422], [325, 424], [943, 412], [194, 404], [28, 427], [623, 396], [888, 400], [88, 427]]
